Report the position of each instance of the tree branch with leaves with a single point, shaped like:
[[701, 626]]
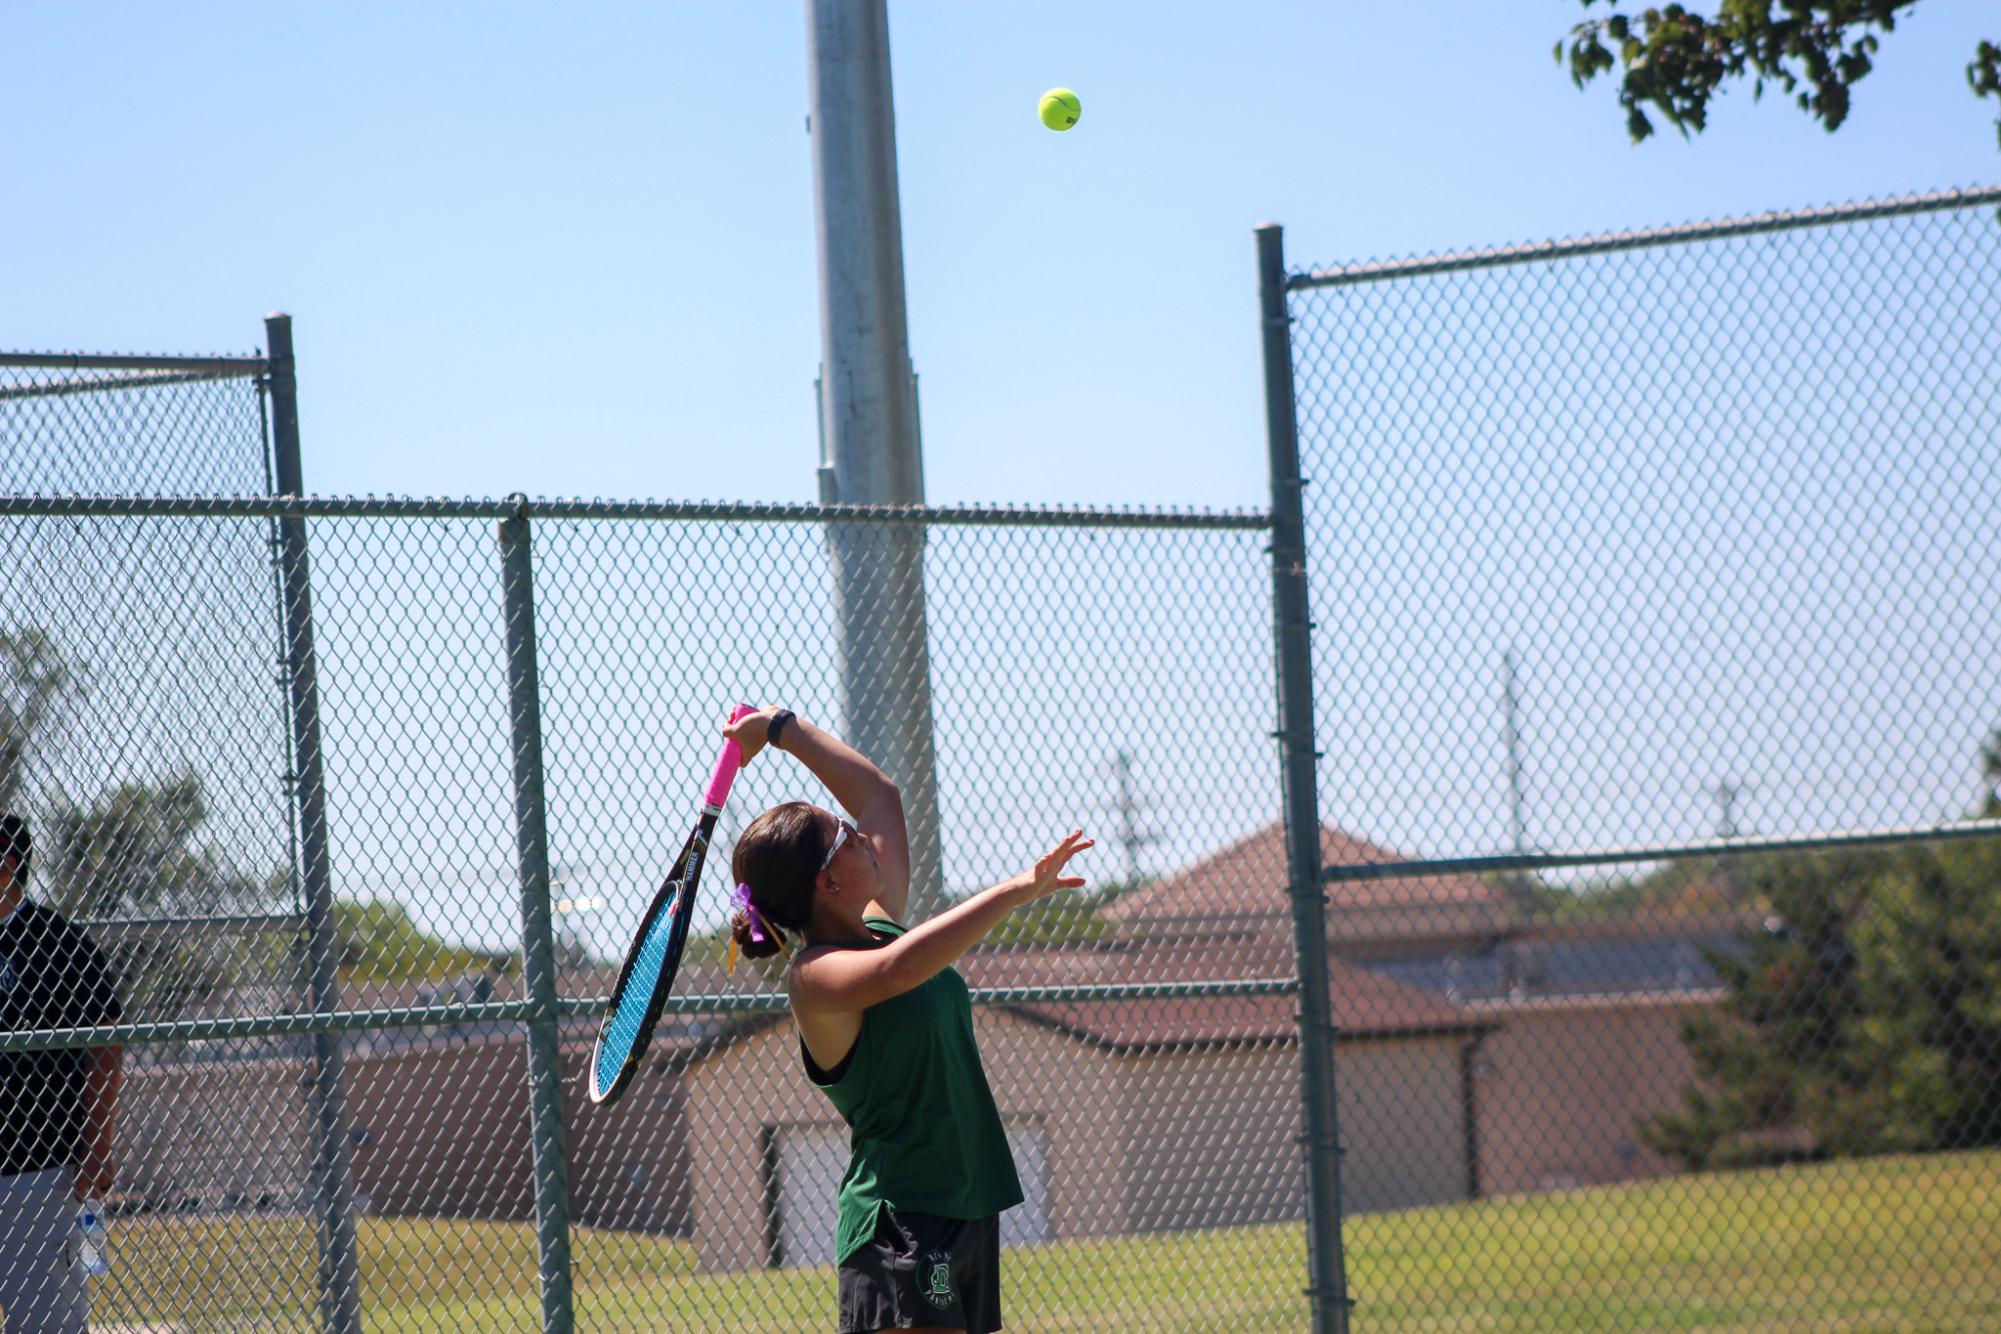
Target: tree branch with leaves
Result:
[[1674, 61]]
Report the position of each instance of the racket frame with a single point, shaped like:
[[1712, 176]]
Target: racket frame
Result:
[[676, 895]]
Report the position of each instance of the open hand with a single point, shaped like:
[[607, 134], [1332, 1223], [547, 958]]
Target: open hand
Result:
[[1048, 877]]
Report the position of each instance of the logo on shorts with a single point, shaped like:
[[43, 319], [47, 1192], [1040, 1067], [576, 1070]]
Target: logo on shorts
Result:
[[934, 1279]]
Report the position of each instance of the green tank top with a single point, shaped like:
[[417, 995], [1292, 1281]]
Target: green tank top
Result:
[[925, 1135]]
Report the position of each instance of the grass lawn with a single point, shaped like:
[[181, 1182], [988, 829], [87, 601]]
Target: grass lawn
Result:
[[1891, 1243], [1887, 1243]]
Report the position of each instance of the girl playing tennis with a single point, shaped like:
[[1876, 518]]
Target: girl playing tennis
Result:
[[886, 1029]]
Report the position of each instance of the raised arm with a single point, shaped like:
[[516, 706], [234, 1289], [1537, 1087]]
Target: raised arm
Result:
[[869, 795], [824, 980]]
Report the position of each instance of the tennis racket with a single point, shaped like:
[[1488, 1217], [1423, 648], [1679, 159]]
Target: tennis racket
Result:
[[648, 973]]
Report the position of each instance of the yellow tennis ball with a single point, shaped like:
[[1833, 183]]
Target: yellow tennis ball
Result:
[[1060, 108]]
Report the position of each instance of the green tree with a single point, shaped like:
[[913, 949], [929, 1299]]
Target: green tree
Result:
[[135, 854], [1685, 888], [1074, 917], [380, 942], [1864, 1018], [1674, 60], [1990, 776], [1929, 980], [34, 683], [1773, 1065]]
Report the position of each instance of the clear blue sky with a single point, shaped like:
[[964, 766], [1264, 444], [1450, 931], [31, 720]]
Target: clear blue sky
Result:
[[569, 249]]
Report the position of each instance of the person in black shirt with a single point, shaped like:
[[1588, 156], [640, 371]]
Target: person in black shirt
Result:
[[56, 1107]]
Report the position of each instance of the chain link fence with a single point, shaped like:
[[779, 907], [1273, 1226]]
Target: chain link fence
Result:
[[1644, 592], [1657, 673], [120, 644], [1107, 669]]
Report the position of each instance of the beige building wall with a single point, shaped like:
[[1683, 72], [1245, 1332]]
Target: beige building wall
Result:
[[1211, 1137], [735, 1100], [1213, 1133], [1403, 1122], [1135, 1142], [629, 1167], [443, 1131], [1041, 1074], [1561, 1087], [224, 1133]]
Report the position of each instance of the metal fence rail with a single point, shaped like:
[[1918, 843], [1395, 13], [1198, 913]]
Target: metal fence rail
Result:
[[1653, 580]]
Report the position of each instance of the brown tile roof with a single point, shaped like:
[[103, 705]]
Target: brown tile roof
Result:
[[1249, 878], [1644, 926], [1365, 1005], [1127, 962]]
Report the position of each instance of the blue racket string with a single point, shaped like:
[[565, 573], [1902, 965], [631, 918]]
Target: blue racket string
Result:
[[622, 1031]]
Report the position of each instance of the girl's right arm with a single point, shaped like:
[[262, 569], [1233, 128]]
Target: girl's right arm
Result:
[[850, 980], [863, 790]]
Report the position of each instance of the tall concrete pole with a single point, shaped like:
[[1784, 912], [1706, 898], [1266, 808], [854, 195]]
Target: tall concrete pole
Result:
[[868, 417]]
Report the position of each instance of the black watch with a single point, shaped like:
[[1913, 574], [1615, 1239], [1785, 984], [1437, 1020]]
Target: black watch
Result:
[[776, 725]]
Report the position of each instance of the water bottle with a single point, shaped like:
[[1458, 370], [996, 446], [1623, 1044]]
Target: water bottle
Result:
[[93, 1243]]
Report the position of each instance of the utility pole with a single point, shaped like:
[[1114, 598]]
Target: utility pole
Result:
[[1129, 831], [1511, 706], [1520, 884], [870, 449], [1727, 793]]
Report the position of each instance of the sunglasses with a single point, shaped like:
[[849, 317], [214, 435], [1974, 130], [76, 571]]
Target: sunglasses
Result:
[[841, 831]]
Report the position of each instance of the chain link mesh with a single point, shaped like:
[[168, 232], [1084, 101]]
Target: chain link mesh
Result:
[[122, 643], [1109, 672], [143, 737], [1654, 581], [1664, 543], [1045, 644], [140, 426]]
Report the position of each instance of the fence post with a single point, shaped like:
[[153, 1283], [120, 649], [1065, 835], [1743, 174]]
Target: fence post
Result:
[[538, 941], [1292, 631], [326, 1089]]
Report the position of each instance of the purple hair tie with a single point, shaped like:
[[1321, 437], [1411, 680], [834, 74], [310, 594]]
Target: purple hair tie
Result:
[[742, 900]]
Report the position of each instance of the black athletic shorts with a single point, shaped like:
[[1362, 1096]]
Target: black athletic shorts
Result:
[[919, 1270]]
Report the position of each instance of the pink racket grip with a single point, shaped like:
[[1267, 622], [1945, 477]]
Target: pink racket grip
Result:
[[727, 764]]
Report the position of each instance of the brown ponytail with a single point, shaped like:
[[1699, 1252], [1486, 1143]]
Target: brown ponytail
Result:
[[750, 946]]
